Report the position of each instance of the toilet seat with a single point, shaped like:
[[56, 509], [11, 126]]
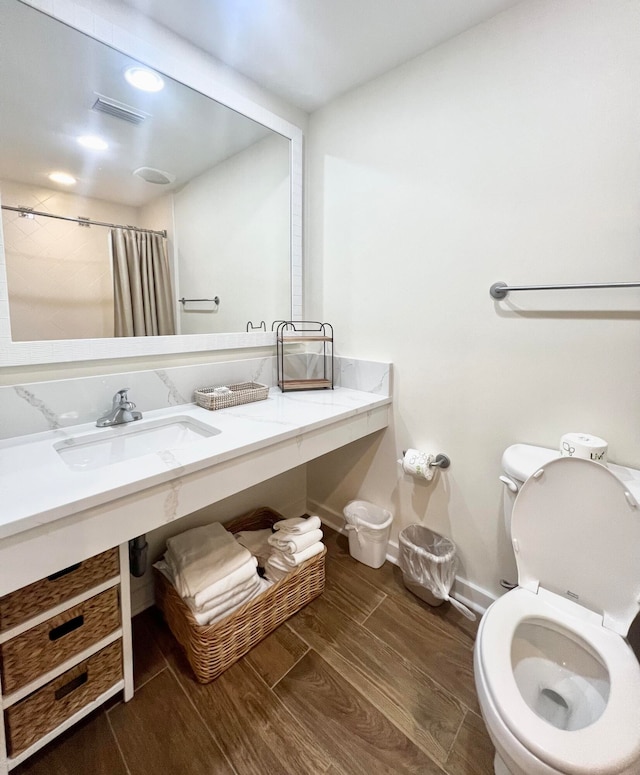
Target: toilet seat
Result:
[[576, 532], [610, 744]]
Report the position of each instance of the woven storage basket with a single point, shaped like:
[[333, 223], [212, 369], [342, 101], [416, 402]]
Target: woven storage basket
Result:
[[30, 719], [212, 648], [45, 594], [43, 647], [242, 393]]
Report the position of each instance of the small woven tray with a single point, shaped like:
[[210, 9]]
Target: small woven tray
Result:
[[212, 648], [241, 393]]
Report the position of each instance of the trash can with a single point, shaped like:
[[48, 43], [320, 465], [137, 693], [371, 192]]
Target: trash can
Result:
[[429, 562], [368, 527]]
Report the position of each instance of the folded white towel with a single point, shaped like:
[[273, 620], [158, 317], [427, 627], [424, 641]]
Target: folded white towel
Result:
[[291, 543], [293, 560], [232, 581], [250, 585], [202, 556], [223, 608], [274, 570], [298, 525], [257, 542], [213, 615], [225, 584]]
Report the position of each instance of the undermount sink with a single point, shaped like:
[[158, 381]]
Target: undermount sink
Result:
[[123, 442]]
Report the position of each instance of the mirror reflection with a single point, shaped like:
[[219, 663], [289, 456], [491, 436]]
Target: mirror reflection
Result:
[[170, 196]]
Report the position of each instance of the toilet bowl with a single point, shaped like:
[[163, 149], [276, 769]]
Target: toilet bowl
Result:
[[558, 685]]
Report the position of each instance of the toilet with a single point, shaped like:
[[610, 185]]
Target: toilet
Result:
[[558, 684]]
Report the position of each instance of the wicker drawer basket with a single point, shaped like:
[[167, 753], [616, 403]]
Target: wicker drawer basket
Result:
[[32, 718], [25, 603], [212, 648], [28, 656]]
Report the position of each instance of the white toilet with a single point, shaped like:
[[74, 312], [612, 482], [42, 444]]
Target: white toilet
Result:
[[558, 684]]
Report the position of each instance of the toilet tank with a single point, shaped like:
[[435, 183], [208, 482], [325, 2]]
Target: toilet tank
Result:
[[519, 461]]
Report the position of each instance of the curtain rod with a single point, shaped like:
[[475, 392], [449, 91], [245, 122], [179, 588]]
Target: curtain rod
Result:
[[83, 221]]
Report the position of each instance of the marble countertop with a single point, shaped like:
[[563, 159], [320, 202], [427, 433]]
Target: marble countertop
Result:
[[38, 487]]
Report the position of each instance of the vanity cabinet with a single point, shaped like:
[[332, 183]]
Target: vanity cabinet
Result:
[[65, 648]]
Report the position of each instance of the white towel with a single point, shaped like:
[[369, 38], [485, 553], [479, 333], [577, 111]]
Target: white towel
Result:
[[202, 556], [274, 570], [250, 585], [226, 584], [298, 525], [291, 543], [293, 560], [257, 542], [213, 615], [223, 607]]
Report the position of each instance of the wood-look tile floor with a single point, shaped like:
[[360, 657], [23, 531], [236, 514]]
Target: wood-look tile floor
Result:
[[365, 679]]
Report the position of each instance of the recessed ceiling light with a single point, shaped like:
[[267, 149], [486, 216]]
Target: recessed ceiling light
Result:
[[93, 142], [63, 178], [144, 79]]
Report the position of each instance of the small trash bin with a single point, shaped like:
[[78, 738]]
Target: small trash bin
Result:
[[429, 562], [369, 527]]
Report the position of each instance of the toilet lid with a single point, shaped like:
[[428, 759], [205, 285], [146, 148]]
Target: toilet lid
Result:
[[576, 532]]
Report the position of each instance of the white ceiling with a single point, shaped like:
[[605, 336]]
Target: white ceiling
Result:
[[43, 116], [310, 51]]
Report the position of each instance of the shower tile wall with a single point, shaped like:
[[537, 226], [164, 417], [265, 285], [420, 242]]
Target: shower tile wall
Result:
[[59, 273]]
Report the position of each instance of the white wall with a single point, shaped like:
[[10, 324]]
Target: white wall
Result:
[[509, 153], [233, 239], [59, 273]]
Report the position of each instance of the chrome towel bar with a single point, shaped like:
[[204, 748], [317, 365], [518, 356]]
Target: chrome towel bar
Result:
[[500, 290], [215, 300]]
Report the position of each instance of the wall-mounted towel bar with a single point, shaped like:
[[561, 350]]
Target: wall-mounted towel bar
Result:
[[500, 290], [215, 300]]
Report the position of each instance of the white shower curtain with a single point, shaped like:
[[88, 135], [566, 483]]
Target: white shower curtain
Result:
[[143, 296]]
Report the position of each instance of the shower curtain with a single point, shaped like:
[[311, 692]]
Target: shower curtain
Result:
[[143, 296]]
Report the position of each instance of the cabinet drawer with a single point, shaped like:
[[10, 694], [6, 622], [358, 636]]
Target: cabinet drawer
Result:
[[32, 718], [28, 656], [42, 595]]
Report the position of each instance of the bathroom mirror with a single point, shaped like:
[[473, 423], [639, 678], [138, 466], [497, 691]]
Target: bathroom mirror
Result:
[[218, 174]]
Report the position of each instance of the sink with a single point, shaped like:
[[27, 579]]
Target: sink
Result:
[[124, 442]]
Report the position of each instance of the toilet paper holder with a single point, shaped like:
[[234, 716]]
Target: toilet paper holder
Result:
[[441, 461]]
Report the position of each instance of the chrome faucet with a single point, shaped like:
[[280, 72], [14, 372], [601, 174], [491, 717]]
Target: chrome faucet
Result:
[[121, 411]]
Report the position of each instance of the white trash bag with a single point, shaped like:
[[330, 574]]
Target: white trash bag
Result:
[[429, 562], [368, 527]]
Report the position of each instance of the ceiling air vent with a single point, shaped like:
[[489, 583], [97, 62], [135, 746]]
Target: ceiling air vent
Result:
[[153, 175], [119, 110]]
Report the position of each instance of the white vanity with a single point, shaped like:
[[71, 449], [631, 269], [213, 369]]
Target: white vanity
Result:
[[75, 493]]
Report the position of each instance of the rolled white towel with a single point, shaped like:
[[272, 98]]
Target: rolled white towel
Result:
[[257, 542], [293, 560], [298, 525], [202, 556], [291, 543]]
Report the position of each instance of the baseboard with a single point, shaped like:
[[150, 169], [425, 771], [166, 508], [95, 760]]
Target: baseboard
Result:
[[466, 592], [142, 598]]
